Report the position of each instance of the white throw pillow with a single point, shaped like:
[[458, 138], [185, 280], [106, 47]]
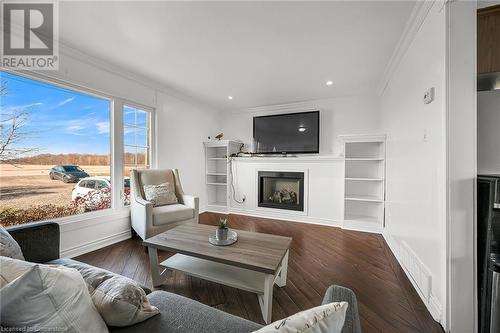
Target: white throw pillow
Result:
[[11, 269], [46, 298], [119, 300], [160, 195], [9, 246], [327, 318]]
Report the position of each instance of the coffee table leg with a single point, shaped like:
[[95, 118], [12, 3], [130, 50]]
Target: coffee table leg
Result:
[[266, 300], [157, 276], [281, 279]]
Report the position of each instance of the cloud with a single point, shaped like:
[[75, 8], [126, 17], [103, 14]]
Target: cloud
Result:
[[66, 101], [19, 108], [75, 130], [102, 127]]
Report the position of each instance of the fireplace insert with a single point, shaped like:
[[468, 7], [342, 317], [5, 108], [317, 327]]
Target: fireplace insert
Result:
[[281, 190]]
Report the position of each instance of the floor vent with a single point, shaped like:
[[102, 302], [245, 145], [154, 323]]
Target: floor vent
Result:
[[417, 271]]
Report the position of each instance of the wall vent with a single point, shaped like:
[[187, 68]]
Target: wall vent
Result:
[[416, 270]]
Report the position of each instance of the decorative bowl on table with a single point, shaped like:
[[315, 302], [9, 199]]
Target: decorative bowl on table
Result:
[[232, 237]]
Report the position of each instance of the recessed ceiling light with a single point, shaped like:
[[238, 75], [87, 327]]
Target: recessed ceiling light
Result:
[[302, 129], [329, 83], [229, 97]]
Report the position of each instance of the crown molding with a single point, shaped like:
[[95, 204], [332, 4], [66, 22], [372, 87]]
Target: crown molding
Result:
[[294, 106], [69, 50], [307, 105], [417, 18]]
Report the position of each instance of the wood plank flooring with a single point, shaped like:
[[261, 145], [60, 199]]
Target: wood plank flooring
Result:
[[319, 257]]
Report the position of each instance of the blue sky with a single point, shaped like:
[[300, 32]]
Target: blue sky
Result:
[[60, 120]]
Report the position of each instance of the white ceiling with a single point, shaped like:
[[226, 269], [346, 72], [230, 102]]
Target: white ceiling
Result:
[[261, 53], [487, 3]]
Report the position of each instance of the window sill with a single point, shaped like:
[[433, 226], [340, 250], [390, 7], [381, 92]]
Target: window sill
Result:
[[91, 218]]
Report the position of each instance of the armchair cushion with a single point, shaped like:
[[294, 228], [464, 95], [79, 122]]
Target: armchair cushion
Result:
[[154, 177], [171, 213]]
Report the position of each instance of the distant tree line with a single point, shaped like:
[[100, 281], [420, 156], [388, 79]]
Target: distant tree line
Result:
[[78, 159]]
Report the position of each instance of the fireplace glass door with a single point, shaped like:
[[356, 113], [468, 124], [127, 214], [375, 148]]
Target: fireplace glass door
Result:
[[281, 190]]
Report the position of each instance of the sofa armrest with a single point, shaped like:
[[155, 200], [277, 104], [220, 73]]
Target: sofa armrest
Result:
[[141, 216], [38, 241], [341, 294], [191, 201], [143, 202]]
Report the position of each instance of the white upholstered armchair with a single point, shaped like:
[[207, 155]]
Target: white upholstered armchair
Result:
[[148, 220]]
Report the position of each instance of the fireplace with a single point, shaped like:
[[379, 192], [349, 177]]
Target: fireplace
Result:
[[281, 190]]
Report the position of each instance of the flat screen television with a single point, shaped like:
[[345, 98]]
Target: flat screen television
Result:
[[293, 133]]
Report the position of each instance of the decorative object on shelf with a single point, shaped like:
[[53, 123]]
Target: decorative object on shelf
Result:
[[221, 232], [219, 136]]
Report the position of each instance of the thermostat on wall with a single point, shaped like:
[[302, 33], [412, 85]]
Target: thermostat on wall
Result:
[[429, 95]]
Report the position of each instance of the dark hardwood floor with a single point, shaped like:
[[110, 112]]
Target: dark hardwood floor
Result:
[[319, 257]]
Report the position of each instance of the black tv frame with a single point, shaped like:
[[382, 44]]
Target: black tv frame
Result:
[[283, 115]]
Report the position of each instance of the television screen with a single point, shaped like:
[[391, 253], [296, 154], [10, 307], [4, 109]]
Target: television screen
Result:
[[287, 133]]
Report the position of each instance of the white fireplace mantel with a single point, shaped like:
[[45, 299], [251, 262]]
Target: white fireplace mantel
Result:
[[289, 159], [323, 187]]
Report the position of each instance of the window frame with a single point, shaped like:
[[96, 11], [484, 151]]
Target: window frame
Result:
[[120, 104], [116, 146], [150, 136]]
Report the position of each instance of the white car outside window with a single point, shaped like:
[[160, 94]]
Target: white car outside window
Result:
[[89, 184]]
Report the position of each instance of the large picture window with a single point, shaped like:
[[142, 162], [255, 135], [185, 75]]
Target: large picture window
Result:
[[55, 150]]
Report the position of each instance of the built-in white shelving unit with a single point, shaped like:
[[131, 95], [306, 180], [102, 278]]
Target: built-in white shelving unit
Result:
[[364, 188], [217, 173]]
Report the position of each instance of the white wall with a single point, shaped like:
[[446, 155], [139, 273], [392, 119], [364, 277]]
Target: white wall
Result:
[[488, 133], [342, 115], [416, 164], [182, 127]]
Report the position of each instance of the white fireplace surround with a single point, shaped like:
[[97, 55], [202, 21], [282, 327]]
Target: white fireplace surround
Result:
[[323, 188]]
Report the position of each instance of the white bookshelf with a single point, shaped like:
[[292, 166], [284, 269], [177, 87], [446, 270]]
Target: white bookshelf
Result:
[[217, 173], [364, 182]]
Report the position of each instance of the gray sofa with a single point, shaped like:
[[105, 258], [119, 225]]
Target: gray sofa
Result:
[[40, 243]]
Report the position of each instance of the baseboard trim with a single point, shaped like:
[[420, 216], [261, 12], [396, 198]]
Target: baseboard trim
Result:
[[431, 303], [372, 230], [95, 245], [435, 309], [288, 218]]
